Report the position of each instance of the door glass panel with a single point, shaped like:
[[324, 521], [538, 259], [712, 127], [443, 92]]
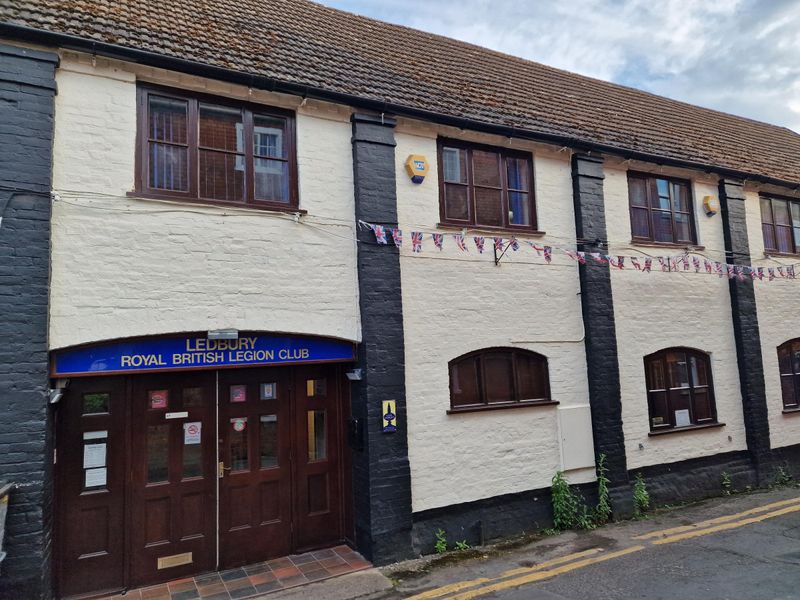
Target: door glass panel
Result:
[[192, 397], [192, 460], [316, 387], [317, 435], [237, 440], [157, 453], [268, 438], [95, 403]]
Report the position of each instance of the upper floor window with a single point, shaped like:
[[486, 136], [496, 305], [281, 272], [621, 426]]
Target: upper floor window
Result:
[[661, 209], [789, 364], [209, 149], [498, 377], [780, 222], [485, 187], [680, 392]]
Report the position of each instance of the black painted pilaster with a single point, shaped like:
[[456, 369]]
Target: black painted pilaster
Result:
[[597, 306], [381, 475], [27, 89], [745, 327]]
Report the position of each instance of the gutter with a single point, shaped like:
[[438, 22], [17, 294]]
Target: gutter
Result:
[[153, 59]]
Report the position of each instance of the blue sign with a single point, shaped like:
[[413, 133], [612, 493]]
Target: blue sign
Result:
[[198, 353]]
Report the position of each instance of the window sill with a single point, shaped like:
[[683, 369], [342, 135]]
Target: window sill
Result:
[[791, 411], [776, 254], [687, 428], [485, 407], [651, 244], [265, 206], [478, 230]]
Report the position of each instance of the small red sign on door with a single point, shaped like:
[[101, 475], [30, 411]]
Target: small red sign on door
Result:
[[159, 398], [238, 393]]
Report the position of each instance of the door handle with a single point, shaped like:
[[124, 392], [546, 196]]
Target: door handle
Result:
[[221, 468]]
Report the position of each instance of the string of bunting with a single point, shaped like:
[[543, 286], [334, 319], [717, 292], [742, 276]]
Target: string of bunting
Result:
[[680, 262]]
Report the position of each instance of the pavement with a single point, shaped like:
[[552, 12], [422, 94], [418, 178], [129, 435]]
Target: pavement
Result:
[[740, 547]]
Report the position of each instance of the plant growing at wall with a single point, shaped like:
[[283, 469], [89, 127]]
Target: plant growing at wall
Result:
[[727, 484], [441, 541], [462, 546], [602, 512], [569, 507], [641, 498], [782, 477]]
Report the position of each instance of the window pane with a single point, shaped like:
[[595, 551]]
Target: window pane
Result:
[[788, 390], [699, 371], [221, 176], [268, 440], [766, 210], [95, 403], [317, 435], [531, 377], [237, 442], [485, 168], [640, 222], [464, 383], [656, 379], [661, 198], [796, 358], [680, 197], [637, 190], [662, 226], [683, 228], [519, 208], [269, 136], [659, 410], [272, 180], [456, 202], [221, 128], [780, 209], [518, 170], [785, 360], [499, 378], [192, 460], [454, 164], [702, 406], [784, 239], [157, 453], [168, 167], [678, 373], [316, 387], [168, 121], [769, 236], [488, 207]]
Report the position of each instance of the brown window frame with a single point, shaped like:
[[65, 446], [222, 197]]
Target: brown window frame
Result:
[[793, 403], [249, 109], [504, 155], [484, 404], [661, 356], [772, 198], [651, 184]]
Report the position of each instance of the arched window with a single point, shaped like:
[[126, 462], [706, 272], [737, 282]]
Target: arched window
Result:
[[498, 377], [680, 392], [789, 364]]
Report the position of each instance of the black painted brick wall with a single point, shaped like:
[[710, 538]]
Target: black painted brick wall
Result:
[[597, 306], [745, 325], [381, 475], [27, 88]]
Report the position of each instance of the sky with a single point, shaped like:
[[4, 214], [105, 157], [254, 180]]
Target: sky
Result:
[[738, 56]]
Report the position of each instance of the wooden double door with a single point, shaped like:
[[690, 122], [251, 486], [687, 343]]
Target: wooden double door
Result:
[[167, 475]]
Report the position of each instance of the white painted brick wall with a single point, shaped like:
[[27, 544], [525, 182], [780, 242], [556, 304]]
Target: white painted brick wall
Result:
[[778, 322], [659, 310], [128, 267], [453, 304]]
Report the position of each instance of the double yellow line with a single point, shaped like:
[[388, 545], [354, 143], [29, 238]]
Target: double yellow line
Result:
[[473, 588]]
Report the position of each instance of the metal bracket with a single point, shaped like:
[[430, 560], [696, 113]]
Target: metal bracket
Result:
[[497, 259]]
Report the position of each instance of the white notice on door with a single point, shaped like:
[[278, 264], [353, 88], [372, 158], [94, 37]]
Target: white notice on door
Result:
[[95, 477], [191, 432], [94, 455]]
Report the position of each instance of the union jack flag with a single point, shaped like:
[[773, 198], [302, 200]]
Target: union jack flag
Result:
[[685, 262], [740, 272], [648, 264], [597, 257], [514, 244], [636, 264], [770, 273], [696, 264], [438, 240], [790, 271], [416, 241], [397, 236], [731, 271], [380, 233], [780, 272], [718, 268], [460, 242], [498, 244], [479, 242], [761, 273], [535, 247], [753, 273], [663, 262], [620, 262], [581, 257], [707, 264], [548, 254]]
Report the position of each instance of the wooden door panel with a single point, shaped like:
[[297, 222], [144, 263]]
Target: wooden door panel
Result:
[[91, 487]]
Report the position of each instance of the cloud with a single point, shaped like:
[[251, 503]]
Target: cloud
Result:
[[737, 56]]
